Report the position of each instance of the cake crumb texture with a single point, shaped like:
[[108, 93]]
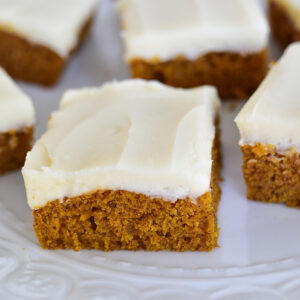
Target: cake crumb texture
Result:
[[14, 146], [283, 27], [235, 75], [114, 220], [271, 176]]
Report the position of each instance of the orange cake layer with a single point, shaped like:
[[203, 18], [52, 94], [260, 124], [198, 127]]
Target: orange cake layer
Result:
[[271, 176], [114, 219], [13, 148], [25, 60], [282, 25], [235, 75]]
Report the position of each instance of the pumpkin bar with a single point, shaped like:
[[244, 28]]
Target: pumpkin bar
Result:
[[269, 126], [130, 165], [284, 18], [38, 36], [220, 43], [16, 124]]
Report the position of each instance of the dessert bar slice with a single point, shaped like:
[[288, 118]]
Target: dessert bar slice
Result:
[[130, 165], [38, 36], [269, 126], [194, 42]]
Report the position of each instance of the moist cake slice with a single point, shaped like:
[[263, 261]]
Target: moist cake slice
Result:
[[131, 165], [221, 43], [16, 124], [269, 126], [284, 18], [38, 36]]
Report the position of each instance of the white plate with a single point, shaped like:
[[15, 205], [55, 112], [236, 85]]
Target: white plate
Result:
[[259, 254]]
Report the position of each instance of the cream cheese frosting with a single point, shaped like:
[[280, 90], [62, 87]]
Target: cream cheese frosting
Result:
[[53, 23], [272, 115], [16, 109], [165, 29], [134, 135]]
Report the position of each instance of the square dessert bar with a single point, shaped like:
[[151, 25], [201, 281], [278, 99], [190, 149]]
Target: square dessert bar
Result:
[[16, 124], [38, 36], [269, 126], [284, 18], [131, 165], [194, 42]]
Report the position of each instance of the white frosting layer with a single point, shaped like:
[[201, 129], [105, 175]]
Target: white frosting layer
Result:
[[168, 28], [272, 115], [53, 23], [293, 9], [133, 135], [16, 109]]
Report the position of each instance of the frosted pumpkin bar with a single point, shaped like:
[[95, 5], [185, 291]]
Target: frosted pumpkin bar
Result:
[[194, 42], [16, 124], [130, 165], [284, 18], [38, 36], [269, 126]]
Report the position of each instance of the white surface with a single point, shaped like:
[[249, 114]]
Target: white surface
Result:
[[272, 114], [16, 108], [259, 254], [55, 23], [131, 135], [166, 29]]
